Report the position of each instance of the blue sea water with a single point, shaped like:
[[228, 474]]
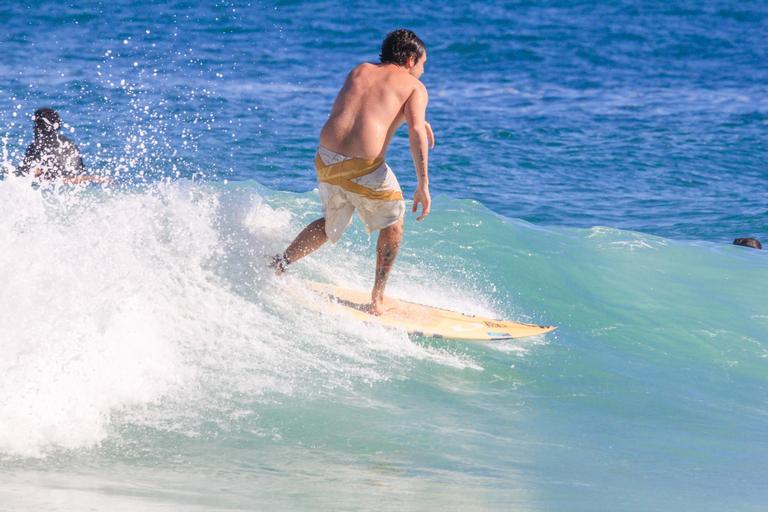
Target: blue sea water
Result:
[[593, 163]]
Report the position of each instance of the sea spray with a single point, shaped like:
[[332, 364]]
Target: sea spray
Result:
[[114, 303]]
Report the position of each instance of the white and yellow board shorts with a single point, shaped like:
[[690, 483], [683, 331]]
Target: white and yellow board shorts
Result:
[[349, 184]]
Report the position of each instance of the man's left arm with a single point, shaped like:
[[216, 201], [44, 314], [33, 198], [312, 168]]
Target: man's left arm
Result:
[[79, 175], [420, 140], [430, 135]]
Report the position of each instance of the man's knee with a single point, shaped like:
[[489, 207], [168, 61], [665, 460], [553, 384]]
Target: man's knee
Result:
[[394, 231]]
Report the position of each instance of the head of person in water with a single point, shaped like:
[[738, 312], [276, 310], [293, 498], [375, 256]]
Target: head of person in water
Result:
[[404, 48], [47, 122], [748, 242]]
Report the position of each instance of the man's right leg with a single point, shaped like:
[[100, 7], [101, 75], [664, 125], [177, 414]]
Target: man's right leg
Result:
[[309, 240], [386, 251]]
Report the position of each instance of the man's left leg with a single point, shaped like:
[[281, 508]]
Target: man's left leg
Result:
[[309, 240], [386, 251]]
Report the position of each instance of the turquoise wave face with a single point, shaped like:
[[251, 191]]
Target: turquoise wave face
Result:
[[168, 358]]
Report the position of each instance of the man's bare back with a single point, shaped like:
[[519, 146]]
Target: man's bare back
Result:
[[369, 109], [374, 102]]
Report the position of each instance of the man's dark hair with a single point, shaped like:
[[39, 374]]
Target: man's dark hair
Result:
[[400, 45], [748, 242], [47, 120]]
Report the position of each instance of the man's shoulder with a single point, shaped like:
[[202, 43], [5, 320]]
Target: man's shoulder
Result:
[[410, 81], [67, 143], [33, 146], [415, 87], [361, 68], [63, 139]]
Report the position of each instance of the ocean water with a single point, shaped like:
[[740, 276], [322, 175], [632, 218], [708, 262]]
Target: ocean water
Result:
[[593, 163]]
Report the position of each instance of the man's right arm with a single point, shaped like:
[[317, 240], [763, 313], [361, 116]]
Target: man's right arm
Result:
[[415, 116], [77, 173]]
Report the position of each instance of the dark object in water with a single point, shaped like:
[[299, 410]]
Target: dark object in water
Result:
[[51, 155], [748, 242]]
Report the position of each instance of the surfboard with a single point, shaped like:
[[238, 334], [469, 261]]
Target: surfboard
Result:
[[422, 320]]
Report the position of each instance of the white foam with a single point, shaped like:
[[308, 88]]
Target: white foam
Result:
[[155, 308]]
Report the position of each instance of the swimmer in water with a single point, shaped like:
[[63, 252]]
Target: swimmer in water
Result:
[[51, 155]]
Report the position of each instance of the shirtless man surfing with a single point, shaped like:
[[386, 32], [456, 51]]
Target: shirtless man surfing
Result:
[[352, 174]]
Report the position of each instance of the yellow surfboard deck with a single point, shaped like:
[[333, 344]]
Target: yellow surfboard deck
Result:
[[425, 320]]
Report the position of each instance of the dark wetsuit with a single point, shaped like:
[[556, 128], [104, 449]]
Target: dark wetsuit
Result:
[[54, 155]]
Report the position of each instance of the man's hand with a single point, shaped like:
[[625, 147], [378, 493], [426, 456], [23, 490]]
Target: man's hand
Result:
[[421, 196], [430, 136]]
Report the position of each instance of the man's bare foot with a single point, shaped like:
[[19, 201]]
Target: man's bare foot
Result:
[[279, 263], [376, 308]]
